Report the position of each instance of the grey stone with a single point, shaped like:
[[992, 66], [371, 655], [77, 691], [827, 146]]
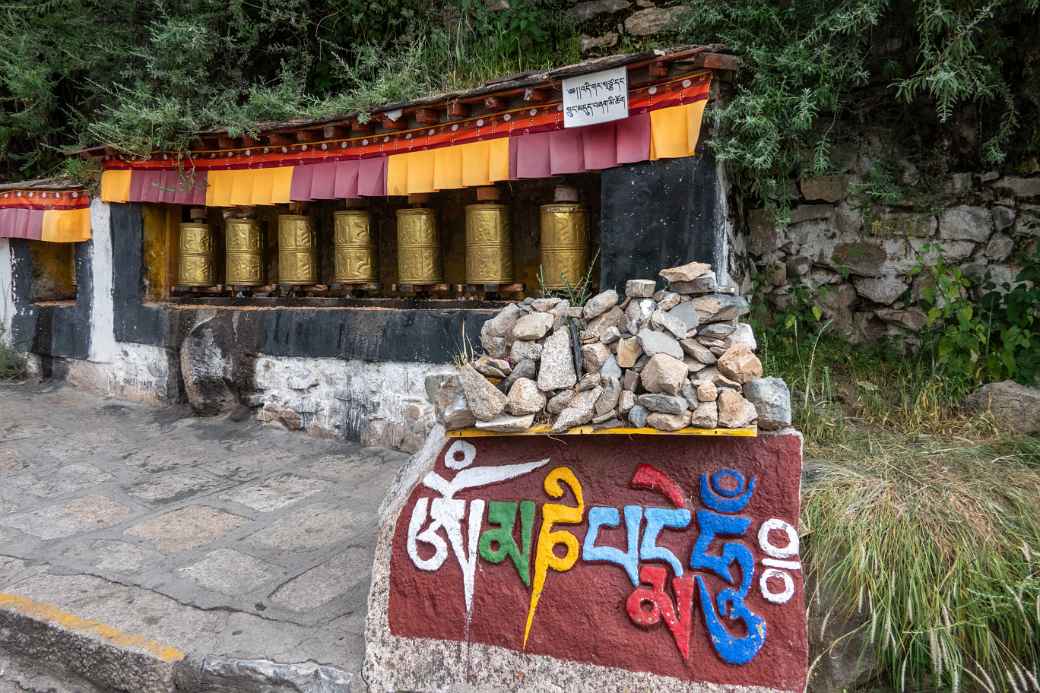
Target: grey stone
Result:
[[734, 410], [559, 401], [668, 300], [614, 318], [743, 334], [525, 398], [497, 347], [325, 582], [185, 528], [894, 224], [600, 303], [212, 673], [667, 321], [711, 373], [628, 352], [630, 381], [546, 305], [772, 400], [689, 394], [600, 419], [1014, 407], [588, 381], [66, 518], [595, 43], [611, 335], [717, 330], [309, 527], [720, 307], [637, 415], [275, 492], [653, 343], [610, 368], [496, 333], [687, 313], [579, 410], [1003, 217], [640, 288], [825, 188], [668, 422], [626, 401], [701, 285], [585, 11], [685, 273], [492, 367], [653, 20], [638, 314], [524, 368], [705, 415], [532, 326], [167, 487], [664, 373], [1019, 186], [811, 213], [525, 351], [798, 266], [608, 399], [507, 424], [457, 415], [594, 356], [206, 368], [557, 366], [230, 572], [484, 399], [667, 404], [697, 351], [885, 289], [966, 223], [1028, 221], [913, 319], [765, 237], [999, 247], [861, 257]]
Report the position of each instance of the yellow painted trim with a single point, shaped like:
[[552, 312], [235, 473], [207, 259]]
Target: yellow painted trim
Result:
[[546, 430], [55, 616]]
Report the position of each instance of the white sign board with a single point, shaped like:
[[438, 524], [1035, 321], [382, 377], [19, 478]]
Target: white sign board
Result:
[[599, 97]]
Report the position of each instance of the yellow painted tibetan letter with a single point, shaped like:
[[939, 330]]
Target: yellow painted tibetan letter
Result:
[[555, 513]]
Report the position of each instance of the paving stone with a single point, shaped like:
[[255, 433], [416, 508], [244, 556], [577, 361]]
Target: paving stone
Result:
[[84, 514], [274, 492], [121, 557], [230, 572], [323, 583], [186, 528], [68, 478], [163, 488], [309, 528]]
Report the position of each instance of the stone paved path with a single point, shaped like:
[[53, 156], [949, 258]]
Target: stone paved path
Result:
[[212, 536]]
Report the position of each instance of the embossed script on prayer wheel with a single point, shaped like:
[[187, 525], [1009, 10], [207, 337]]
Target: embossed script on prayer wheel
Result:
[[244, 253], [418, 247], [565, 244], [489, 244], [297, 250], [355, 261], [195, 256]]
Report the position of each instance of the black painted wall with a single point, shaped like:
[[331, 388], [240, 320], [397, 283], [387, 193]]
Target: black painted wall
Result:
[[659, 214], [51, 329]]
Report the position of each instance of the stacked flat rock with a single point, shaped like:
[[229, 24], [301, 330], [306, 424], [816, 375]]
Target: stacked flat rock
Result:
[[668, 359]]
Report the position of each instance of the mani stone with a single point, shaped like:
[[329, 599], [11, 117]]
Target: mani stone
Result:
[[525, 398], [600, 303], [662, 373], [533, 326], [640, 288], [669, 322], [687, 314], [557, 367], [628, 352], [697, 351], [740, 364], [637, 415], [593, 356], [608, 399], [772, 400], [734, 410], [492, 368], [685, 273], [559, 402], [521, 351], [705, 415], [720, 307], [654, 343], [579, 411], [665, 404], [668, 422], [483, 398], [507, 424]]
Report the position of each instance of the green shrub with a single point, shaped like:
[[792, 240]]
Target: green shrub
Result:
[[12, 363]]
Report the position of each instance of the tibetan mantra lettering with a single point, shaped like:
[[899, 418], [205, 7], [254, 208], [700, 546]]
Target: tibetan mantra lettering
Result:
[[671, 555]]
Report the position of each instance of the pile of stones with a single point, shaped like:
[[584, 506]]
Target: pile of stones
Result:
[[667, 359]]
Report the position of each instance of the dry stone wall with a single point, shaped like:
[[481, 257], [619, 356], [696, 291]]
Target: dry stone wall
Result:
[[857, 259]]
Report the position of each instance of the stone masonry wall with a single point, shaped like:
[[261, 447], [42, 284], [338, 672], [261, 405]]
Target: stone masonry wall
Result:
[[857, 258], [607, 24]]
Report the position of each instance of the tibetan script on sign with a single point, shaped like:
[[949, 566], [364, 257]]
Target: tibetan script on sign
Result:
[[673, 556], [597, 98]]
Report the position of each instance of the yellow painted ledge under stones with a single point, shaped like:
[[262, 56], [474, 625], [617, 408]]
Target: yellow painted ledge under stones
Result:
[[546, 430]]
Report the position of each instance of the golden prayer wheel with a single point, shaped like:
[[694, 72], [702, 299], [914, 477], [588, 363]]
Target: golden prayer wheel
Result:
[[418, 247], [489, 244], [244, 252], [355, 261], [297, 250], [565, 244], [195, 256]]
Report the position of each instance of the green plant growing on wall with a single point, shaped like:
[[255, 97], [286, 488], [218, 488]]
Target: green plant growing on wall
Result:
[[12, 363]]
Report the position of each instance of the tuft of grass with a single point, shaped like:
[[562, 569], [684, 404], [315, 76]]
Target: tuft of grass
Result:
[[916, 516], [12, 363]]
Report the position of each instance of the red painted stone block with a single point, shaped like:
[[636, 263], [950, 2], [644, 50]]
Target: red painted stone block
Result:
[[735, 615]]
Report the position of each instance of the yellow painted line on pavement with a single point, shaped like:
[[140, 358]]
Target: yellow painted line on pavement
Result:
[[52, 614]]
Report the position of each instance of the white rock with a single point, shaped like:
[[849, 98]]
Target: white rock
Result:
[[579, 411], [525, 398], [532, 326], [600, 303], [525, 350], [654, 343], [507, 424], [772, 400], [668, 422], [483, 398], [556, 371], [706, 415], [666, 321]]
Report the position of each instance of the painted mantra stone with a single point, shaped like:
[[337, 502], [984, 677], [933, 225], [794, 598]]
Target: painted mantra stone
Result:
[[670, 562]]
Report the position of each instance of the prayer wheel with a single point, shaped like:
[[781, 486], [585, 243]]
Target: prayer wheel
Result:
[[489, 244], [565, 244], [297, 250], [418, 247], [195, 255], [355, 261], [244, 253]]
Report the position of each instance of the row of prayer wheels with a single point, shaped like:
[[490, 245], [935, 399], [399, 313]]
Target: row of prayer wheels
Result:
[[489, 247]]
